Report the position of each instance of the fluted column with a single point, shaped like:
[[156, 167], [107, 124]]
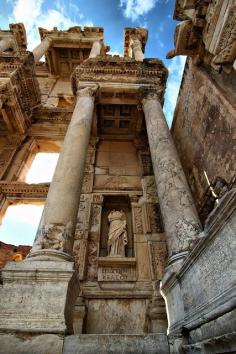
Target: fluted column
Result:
[[6, 43], [137, 49], [95, 50], [41, 49], [59, 217], [176, 202]]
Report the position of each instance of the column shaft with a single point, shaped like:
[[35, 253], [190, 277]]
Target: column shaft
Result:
[[41, 49], [177, 206], [96, 49], [137, 48], [60, 212], [5, 44]]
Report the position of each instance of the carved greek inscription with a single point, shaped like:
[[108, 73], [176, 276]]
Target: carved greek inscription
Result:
[[116, 273]]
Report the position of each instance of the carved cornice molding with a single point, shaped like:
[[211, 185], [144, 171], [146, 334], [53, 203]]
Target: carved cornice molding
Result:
[[121, 70], [24, 191], [208, 32], [76, 32]]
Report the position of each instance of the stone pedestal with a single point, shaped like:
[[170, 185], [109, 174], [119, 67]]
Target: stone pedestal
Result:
[[38, 296], [41, 49], [177, 207]]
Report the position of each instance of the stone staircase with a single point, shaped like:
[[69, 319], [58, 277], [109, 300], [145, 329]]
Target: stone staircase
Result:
[[116, 343]]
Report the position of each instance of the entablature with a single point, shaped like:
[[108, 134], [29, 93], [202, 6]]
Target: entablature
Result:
[[19, 91], [115, 72], [70, 48]]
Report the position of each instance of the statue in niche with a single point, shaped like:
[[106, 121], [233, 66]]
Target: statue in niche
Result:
[[117, 235]]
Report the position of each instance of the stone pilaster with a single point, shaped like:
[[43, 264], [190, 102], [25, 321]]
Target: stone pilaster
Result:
[[41, 49], [59, 217], [178, 211], [96, 49], [137, 49], [6, 43]]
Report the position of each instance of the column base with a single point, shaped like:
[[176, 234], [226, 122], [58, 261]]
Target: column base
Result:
[[38, 296], [48, 254]]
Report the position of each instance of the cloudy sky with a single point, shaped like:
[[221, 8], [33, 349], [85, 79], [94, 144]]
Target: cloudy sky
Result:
[[113, 15]]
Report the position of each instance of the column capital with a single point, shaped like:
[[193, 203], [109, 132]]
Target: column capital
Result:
[[150, 93], [89, 91]]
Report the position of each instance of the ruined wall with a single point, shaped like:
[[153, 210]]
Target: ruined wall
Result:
[[204, 128]]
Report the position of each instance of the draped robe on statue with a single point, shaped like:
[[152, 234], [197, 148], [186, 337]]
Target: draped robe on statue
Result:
[[117, 236]]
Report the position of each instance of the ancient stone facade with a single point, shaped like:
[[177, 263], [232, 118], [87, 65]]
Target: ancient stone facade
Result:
[[120, 246]]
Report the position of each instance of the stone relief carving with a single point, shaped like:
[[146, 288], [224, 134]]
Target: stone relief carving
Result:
[[137, 218], [185, 232], [117, 235], [87, 183], [54, 236], [154, 213], [158, 254], [93, 249], [149, 189]]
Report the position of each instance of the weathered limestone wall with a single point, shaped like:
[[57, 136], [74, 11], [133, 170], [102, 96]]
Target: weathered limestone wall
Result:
[[201, 296], [204, 128]]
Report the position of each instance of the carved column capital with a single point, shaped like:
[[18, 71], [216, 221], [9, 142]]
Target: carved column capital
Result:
[[89, 91], [150, 93]]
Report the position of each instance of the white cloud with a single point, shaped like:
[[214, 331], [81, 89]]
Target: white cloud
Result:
[[133, 9], [175, 68], [32, 14]]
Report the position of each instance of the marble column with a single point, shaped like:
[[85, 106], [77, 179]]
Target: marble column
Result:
[[137, 49], [59, 217], [177, 206], [96, 49], [6, 43], [41, 49]]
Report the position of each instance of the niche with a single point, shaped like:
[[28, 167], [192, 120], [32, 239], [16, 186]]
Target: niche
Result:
[[114, 202]]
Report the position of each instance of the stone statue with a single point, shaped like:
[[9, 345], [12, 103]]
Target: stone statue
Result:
[[117, 236]]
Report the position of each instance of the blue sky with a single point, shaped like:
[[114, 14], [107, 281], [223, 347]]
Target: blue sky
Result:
[[113, 15]]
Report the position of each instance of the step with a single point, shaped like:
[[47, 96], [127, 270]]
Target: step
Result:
[[116, 343]]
